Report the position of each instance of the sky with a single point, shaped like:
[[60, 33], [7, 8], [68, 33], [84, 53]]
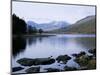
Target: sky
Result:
[[44, 13]]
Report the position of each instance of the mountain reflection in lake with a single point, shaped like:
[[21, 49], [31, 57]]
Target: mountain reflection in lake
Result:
[[40, 47]]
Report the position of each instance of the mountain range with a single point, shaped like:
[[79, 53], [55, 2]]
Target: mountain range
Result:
[[86, 25], [49, 26]]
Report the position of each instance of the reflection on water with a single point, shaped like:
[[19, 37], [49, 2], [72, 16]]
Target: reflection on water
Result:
[[38, 47], [19, 45]]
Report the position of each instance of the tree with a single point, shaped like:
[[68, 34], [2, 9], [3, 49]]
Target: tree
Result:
[[31, 29], [40, 31], [34, 30], [19, 26]]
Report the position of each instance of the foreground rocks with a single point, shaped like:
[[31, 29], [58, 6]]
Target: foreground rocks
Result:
[[63, 58], [14, 69], [26, 61], [86, 61], [66, 68], [79, 54], [52, 70], [92, 51], [33, 70], [37, 61]]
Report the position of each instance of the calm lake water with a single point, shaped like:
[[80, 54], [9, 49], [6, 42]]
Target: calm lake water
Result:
[[41, 47]]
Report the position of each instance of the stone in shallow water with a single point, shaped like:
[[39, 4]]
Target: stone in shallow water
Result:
[[33, 70], [66, 68], [45, 61], [63, 58], [37, 61], [26, 61], [92, 51], [82, 53], [14, 69], [52, 70], [79, 54]]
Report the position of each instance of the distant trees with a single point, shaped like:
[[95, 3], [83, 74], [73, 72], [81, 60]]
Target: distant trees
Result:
[[18, 25], [40, 31], [31, 30], [34, 30]]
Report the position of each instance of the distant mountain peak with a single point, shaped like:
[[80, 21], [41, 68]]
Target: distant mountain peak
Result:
[[86, 25], [48, 26]]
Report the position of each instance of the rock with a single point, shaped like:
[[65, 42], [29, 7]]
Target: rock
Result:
[[51, 56], [45, 61], [82, 53], [78, 55], [14, 69], [33, 70], [92, 51], [75, 55], [66, 68], [37, 61], [92, 64], [82, 60], [90, 57], [52, 70], [86, 62], [26, 61], [63, 58], [59, 65]]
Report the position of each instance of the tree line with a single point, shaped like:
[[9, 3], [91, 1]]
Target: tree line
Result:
[[19, 27]]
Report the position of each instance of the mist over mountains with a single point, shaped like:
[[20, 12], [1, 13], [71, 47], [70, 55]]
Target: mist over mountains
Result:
[[86, 25], [49, 26]]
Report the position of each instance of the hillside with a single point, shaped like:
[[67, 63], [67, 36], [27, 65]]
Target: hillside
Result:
[[86, 25]]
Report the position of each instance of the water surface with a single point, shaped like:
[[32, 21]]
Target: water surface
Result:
[[41, 47]]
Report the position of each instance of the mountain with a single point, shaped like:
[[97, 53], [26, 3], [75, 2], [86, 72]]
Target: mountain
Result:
[[86, 25], [49, 26]]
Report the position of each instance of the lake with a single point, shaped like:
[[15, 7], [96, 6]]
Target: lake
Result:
[[46, 46]]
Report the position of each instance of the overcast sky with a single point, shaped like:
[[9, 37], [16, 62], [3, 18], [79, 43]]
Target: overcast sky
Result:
[[40, 12]]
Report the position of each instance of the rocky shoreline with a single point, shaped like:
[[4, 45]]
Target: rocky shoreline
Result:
[[85, 61]]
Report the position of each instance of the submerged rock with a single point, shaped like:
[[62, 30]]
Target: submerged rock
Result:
[[44, 61], [37, 61], [33, 70], [26, 61], [52, 70], [63, 58], [79, 54], [92, 51], [75, 55], [82, 53], [14, 69], [66, 68]]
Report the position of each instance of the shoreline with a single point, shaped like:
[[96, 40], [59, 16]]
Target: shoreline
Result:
[[46, 34], [86, 62]]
